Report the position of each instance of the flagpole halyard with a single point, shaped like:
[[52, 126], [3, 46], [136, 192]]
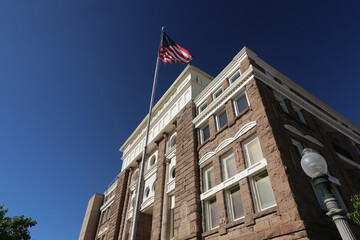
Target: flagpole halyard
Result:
[[142, 167]]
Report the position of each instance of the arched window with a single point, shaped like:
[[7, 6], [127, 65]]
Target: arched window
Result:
[[147, 192], [172, 172], [152, 161], [135, 176], [173, 141]]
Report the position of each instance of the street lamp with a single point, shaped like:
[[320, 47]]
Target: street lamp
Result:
[[315, 166]]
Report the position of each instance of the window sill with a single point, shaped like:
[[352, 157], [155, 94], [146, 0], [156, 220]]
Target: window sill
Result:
[[210, 232], [235, 223], [265, 212]]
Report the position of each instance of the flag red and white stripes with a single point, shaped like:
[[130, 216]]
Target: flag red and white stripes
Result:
[[170, 52]]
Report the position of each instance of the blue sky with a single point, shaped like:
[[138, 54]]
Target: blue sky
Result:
[[76, 75]]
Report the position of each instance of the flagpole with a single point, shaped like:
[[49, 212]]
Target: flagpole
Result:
[[141, 176]]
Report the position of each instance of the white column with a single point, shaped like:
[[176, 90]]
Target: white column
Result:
[[165, 212]]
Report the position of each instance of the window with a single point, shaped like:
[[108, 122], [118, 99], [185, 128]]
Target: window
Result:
[[240, 104], [299, 114], [135, 176], [106, 214], [234, 204], [209, 178], [234, 77], [153, 187], [252, 151], [212, 217], [204, 133], [262, 192], [147, 192], [217, 93], [221, 119], [357, 148], [298, 148], [202, 107], [152, 161], [173, 141], [282, 104], [228, 166], [172, 173]]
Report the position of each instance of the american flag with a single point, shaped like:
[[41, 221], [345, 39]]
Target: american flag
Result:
[[170, 52]]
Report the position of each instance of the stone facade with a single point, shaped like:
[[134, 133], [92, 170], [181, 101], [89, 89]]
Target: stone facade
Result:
[[234, 170]]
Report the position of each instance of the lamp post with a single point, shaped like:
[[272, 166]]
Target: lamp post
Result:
[[315, 166]]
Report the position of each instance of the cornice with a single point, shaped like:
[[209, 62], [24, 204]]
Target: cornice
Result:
[[285, 91], [229, 92], [220, 77], [187, 71]]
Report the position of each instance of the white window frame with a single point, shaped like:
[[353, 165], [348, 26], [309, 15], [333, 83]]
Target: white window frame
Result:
[[231, 79], [246, 151], [202, 107], [235, 102], [209, 215], [281, 102], [206, 176], [256, 195], [202, 140], [230, 204], [216, 92], [172, 212], [299, 114], [224, 159], [217, 119]]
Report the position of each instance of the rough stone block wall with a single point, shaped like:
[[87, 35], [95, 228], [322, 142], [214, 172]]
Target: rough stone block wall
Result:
[[318, 225], [281, 220], [113, 223], [187, 200]]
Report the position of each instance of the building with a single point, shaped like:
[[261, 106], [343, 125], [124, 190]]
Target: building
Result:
[[224, 161]]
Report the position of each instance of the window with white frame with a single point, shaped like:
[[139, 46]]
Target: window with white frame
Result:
[[204, 133], [357, 148], [282, 103], [228, 165], [263, 195], [212, 217], [240, 103], [172, 172], [217, 93], [221, 119], [147, 192], [152, 161], [172, 142], [299, 114], [135, 176], [252, 151], [202, 107], [234, 77], [299, 147], [234, 204], [106, 214], [209, 178]]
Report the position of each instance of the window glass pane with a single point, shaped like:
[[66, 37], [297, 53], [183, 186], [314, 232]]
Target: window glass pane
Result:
[[241, 104], [301, 117], [237, 207], [214, 213], [222, 119], [229, 167], [202, 107], [254, 151], [210, 178], [283, 106], [264, 190], [217, 93], [234, 77], [205, 133]]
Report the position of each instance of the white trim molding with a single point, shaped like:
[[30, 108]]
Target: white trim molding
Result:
[[307, 137], [227, 141], [257, 167]]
